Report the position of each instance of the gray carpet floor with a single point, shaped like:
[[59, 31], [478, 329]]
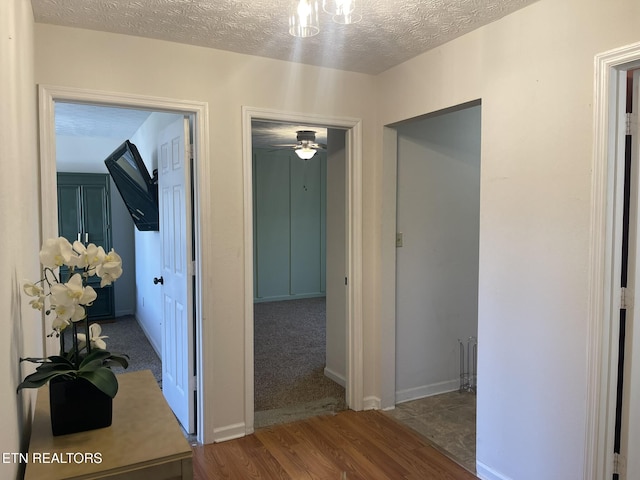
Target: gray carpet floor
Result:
[[289, 350], [126, 336]]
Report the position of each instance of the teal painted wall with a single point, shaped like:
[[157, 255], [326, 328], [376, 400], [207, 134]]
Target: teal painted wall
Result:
[[289, 223]]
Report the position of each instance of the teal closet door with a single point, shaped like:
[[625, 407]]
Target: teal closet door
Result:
[[271, 228], [306, 226], [69, 212], [94, 204], [84, 214], [289, 225]]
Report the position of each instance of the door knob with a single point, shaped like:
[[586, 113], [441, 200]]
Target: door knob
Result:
[[157, 280]]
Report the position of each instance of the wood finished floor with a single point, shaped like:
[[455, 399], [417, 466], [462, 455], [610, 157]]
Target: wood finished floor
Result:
[[366, 445]]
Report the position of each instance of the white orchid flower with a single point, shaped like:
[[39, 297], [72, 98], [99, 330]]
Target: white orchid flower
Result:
[[94, 337], [37, 303], [32, 289], [55, 252], [88, 257], [59, 324], [72, 292], [69, 313], [110, 269]]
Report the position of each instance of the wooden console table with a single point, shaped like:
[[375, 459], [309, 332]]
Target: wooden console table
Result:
[[143, 442]]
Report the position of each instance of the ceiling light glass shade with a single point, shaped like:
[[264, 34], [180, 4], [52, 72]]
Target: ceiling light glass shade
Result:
[[349, 18], [342, 11], [303, 18], [348, 13], [305, 153], [338, 7]]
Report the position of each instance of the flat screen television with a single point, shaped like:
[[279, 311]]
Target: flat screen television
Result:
[[138, 189]]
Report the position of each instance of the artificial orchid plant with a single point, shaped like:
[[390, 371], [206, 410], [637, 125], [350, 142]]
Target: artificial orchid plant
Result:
[[68, 303]]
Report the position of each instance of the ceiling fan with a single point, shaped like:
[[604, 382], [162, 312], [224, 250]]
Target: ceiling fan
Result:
[[306, 147]]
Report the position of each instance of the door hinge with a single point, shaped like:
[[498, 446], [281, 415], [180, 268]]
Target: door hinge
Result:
[[193, 268], [346, 282], [193, 383], [619, 465], [630, 121], [625, 299]]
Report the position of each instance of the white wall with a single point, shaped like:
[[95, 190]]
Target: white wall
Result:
[[438, 207], [534, 71], [336, 306], [19, 223], [148, 245], [226, 81]]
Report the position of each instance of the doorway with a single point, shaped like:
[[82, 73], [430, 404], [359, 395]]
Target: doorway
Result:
[[437, 262], [299, 295], [353, 248], [605, 456], [197, 112]]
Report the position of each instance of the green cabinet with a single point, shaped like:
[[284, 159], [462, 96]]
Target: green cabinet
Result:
[[84, 214]]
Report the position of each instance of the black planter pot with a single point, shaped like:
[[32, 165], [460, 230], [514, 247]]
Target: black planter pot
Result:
[[77, 406]]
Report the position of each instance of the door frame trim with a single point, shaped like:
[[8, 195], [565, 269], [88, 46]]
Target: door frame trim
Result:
[[354, 335], [47, 96], [605, 256]]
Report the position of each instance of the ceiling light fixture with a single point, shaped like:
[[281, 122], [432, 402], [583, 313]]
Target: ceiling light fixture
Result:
[[303, 18], [342, 11], [305, 152]]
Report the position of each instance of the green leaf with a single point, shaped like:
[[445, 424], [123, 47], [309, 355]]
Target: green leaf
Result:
[[118, 360], [103, 378], [95, 355], [44, 367], [35, 381], [52, 359]]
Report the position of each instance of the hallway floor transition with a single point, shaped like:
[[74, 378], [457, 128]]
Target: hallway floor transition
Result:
[[447, 420]]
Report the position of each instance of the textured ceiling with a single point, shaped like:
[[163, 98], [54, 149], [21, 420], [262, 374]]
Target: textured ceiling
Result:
[[390, 31]]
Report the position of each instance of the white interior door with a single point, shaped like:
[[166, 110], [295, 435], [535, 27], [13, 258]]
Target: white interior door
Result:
[[174, 189]]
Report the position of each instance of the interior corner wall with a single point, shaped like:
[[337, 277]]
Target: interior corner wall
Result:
[[438, 205], [148, 246], [19, 223], [123, 241], [534, 72], [336, 306]]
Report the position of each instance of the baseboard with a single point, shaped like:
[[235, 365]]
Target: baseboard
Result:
[[124, 313], [280, 298], [371, 403], [155, 347], [427, 390], [230, 432], [486, 473], [336, 377]]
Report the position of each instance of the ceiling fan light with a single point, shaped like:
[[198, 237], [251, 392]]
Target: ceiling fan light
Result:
[[305, 153], [304, 19]]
